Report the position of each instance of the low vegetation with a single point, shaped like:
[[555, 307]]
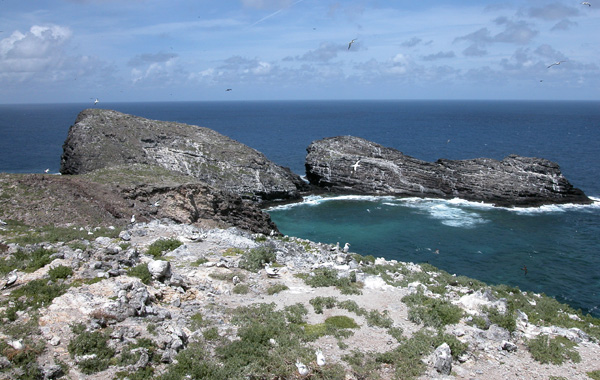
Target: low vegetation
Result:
[[162, 246], [256, 258], [553, 350]]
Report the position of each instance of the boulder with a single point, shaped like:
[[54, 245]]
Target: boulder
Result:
[[348, 164], [104, 138], [442, 359]]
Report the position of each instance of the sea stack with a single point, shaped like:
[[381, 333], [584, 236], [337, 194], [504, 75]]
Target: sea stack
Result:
[[347, 164]]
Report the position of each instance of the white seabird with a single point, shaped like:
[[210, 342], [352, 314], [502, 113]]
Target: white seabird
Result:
[[271, 272], [350, 43], [47, 171], [320, 358], [96, 101], [11, 278], [346, 247], [586, 3], [556, 63], [16, 344], [302, 368], [132, 219], [355, 166]]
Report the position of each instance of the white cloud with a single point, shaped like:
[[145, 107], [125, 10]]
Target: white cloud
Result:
[[38, 51]]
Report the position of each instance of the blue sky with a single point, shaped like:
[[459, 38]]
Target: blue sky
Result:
[[186, 50]]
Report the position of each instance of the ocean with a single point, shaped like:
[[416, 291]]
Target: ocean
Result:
[[558, 244]]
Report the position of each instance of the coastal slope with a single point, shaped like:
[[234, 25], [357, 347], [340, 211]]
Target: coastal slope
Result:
[[347, 164]]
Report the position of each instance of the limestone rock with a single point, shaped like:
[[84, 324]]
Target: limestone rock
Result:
[[442, 361], [347, 164], [103, 138], [159, 269]]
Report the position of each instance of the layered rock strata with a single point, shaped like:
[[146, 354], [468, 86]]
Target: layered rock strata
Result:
[[104, 138], [348, 164]]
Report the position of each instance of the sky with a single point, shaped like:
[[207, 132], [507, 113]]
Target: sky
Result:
[[74, 51]]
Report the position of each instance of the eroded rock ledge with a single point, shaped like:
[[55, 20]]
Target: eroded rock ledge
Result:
[[104, 138], [348, 164]]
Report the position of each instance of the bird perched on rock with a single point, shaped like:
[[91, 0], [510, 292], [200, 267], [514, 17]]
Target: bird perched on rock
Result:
[[302, 368], [271, 272], [336, 247], [132, 219], [346, 247], [320, 358], [10, 280]]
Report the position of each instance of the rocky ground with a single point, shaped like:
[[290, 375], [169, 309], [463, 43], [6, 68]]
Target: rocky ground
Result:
[[154, 311]]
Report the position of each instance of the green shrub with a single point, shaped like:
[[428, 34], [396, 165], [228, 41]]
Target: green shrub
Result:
[[199, 262], [295, 313], [36, 294], [508, 320], [60, 271], [555, 351], [353, 307], [141, 271], [161, 246], [197, 321], [241, 289], [323, 277], [274, 289], [594, 374], [26, 262], [211, 333], [91, 343], [375, 318], [193, 363], [318, 303], [433, 312], [341, 322], [255, 259]]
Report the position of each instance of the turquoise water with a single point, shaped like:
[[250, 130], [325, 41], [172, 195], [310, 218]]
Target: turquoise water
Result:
[[559, 245]]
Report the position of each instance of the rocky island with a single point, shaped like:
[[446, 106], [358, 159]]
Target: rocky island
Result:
[[348, 164], [149, 261]]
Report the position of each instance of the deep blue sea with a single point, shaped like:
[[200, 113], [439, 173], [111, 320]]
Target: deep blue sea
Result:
[[558, 244]]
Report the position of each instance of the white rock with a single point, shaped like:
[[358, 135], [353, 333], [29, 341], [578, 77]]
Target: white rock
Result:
[[159, 268], [443, 359]]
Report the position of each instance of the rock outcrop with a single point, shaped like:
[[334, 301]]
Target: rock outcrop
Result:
[[104, 138], [111, 196], [349, 164]]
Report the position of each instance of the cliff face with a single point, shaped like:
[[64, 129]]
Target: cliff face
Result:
[[354, 165], [103, 138]]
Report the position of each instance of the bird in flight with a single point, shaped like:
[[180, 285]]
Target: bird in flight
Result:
[[228, 89], [350, 43], [96, 101], [586, 3], [556, 64]]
